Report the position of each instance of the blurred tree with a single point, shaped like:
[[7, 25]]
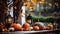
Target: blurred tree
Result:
[[17, 7], [3, 10]]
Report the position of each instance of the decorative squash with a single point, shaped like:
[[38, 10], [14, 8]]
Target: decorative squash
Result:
[[36, 28], [50, 26], [26, 25], [17, 27], [41, 25]]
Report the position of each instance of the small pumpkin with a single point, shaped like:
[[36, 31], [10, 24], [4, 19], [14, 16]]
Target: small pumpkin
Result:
[[26, 25], [50, 26], [17, 27], [36, 28], [41, 25]]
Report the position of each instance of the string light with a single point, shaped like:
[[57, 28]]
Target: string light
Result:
[[49, 4], [56, 4]]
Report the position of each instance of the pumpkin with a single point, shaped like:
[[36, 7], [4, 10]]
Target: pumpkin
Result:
[[26, 25], [17, 27], [41, 25], [36, 28], [50, 26]]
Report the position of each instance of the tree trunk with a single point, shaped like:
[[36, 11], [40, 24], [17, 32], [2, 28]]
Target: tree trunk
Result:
[[18, 8]]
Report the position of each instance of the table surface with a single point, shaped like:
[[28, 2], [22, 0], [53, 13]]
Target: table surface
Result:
[[26, 32]]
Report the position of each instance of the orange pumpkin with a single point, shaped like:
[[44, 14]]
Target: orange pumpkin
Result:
[[36, 27], [26, 25], [17, 27], [50, 26]]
